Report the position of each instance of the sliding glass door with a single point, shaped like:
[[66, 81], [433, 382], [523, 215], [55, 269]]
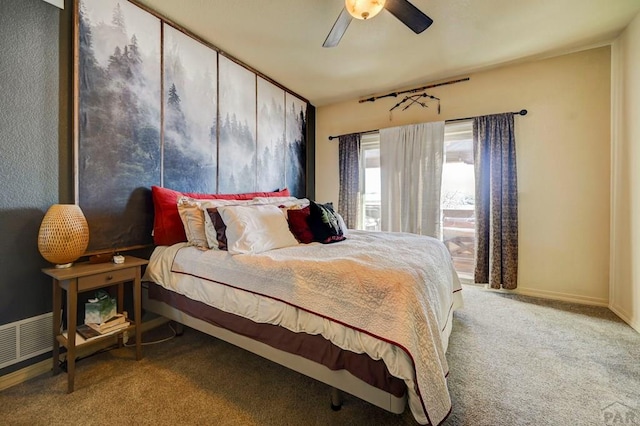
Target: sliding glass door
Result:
[[458, 196], [370, 182], [457, 199]]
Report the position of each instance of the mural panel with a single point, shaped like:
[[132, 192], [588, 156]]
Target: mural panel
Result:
[[190, 113], [237, 171], [296, 153], [118, 151], [271, 136]]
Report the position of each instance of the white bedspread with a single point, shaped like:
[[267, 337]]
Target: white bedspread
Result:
[[390, 295]]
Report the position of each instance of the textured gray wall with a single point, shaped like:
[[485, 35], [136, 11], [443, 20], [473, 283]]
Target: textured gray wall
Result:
[[29, 151]]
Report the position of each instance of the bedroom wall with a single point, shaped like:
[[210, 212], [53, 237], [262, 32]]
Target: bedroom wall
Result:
[[625, 200], [563, 150]]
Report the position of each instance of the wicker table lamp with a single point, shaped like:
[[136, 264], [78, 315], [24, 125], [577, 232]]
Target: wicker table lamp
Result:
[[64, 235]]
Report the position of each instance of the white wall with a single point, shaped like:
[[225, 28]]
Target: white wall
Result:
[[563, 150], [625, 202]]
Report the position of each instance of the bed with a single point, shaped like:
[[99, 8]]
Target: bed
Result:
[[370, 315]]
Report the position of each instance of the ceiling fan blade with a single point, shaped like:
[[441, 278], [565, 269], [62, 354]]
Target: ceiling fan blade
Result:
[[409, 15], [338, 29]]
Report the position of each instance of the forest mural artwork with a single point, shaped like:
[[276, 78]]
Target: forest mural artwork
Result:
[[190, 114], [119, 120], [271, 137], [237, 128], [200, 122], [296, 154]]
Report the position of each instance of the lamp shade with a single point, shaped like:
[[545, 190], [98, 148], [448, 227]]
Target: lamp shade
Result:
[[64, 234], [364, 9]]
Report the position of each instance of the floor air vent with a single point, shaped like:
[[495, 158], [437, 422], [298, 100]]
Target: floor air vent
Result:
[[25, 339]]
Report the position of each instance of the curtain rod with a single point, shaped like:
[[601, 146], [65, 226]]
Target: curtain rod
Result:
[[521, 112]]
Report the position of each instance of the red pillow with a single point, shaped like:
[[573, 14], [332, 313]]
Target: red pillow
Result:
[[299, 226], [167, 225]]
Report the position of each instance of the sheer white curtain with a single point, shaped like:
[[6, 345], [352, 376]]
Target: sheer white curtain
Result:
[[411, 159]]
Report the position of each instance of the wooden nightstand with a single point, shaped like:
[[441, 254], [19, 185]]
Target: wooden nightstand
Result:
[[83, 277]]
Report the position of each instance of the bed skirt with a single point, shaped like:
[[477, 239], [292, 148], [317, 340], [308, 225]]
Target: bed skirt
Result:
[[311, 347]]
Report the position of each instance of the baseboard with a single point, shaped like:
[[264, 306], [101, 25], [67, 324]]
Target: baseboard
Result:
[[564, 297], [42, 367], [633, 322], [25, 374]]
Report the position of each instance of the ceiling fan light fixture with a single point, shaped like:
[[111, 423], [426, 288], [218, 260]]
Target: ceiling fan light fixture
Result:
[[364, 9]]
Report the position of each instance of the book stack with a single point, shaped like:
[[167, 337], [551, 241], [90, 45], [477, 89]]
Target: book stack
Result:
[[112, 325]]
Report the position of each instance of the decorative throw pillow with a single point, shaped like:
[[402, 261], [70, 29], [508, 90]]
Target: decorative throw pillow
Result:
[[189, 211], [299, 226], [215, 229], [324, 223], [341, 222], [167, 225], [255, 229]]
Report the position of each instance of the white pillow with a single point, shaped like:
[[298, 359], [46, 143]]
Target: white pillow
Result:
[[282, 202], [256, 229], [274, 200], [192, 213]]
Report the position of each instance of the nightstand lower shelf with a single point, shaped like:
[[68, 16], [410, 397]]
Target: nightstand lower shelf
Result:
[[63, 340]]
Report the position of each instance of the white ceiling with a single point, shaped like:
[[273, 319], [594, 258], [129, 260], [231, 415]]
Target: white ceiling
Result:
[[283, 39]]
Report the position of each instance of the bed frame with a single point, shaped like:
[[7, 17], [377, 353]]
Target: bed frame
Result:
[[339, 380]]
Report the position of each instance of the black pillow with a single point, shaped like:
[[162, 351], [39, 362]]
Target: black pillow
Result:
[[324, 223], [221, 228]]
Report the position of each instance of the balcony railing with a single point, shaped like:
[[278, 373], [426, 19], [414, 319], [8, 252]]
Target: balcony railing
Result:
[[458, 234]]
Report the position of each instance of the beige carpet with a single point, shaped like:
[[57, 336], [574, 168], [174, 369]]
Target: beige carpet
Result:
[[513, 361]]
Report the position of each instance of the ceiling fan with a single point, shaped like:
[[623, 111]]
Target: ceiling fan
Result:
[[407, 13]]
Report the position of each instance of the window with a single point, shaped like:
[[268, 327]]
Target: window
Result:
[[457, 199], [458, 196], [370, 182]]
